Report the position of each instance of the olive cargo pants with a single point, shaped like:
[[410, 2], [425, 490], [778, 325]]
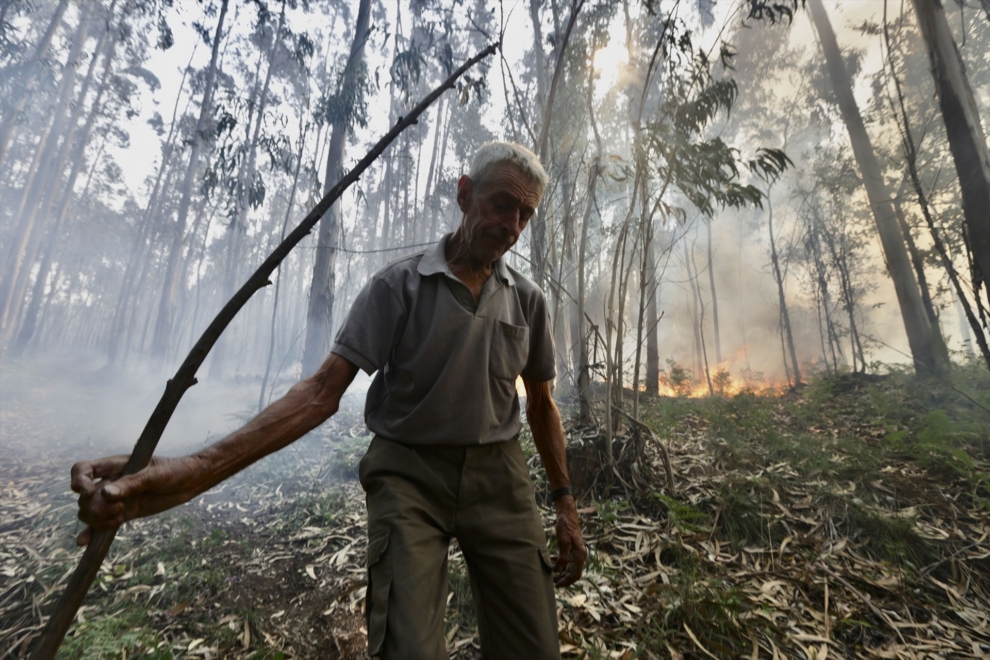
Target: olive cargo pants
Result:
[[421, 496]]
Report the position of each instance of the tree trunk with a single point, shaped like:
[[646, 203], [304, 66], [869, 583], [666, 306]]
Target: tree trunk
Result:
[[47, 191], [538, 236], [238, 228], [919, 331], [583, 363], [278, 278], [695, 314], [785, 318], [18, 265], [967, 141], [645, 299], [919, 269], [11, 112], [319, 317], [78, 160], [711, 283], [652, 324], [565, 306], [166, 311]]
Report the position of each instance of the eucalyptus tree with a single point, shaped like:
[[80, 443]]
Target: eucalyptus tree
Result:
[[277, 50], [967, 139], [944, 209], [927, 356], [342, 110], [164, 322], [77, 113], [20, 72], [49, 152]]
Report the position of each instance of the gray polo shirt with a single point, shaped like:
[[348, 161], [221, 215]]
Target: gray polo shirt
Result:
[[446, 368]]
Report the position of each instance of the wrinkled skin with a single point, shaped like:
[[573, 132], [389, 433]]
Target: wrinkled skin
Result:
[[495, 213]]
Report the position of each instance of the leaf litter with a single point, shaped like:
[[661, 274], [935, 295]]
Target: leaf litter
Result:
[[767, 549]]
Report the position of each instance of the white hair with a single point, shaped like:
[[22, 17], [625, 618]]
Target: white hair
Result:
[[491, 154]]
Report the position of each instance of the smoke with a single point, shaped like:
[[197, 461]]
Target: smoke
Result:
[[65, 407]]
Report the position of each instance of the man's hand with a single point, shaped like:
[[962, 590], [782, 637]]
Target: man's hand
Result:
[[107, 500], [569, 564], [548, 436]]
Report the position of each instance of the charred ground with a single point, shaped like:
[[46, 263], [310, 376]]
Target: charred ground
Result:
[[848, 519]]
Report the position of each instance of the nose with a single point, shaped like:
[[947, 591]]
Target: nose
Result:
[[513, 224]]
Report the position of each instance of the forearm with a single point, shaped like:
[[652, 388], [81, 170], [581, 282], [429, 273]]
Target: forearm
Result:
[[304, 407], [277, 426], [548, 434]]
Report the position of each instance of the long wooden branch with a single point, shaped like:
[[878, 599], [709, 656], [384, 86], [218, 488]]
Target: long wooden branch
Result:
[[67, 606]]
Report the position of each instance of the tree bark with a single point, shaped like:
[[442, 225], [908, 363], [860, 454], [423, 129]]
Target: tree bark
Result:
[[967, 141], [319, 317], [919, 331], [652, 324], [711, 283]]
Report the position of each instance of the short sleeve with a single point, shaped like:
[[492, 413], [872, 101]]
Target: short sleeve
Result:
[[368, 333], [540, 366]]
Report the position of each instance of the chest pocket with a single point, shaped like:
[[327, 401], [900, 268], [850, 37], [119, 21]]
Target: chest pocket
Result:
[[510, 350]]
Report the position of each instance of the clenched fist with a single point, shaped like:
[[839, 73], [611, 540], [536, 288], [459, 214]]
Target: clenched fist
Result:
[[107, 500]]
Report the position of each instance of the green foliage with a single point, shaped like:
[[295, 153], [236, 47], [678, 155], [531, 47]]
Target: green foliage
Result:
[[944, 425], [609, 512], [709, 607], [321, 509], [706, 171], [773, 11], [122, 633], [677, 378], [721, 380], [683, 516], [743, 517], [883, 537], [461, 611]]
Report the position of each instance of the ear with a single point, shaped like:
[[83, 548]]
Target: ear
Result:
[[465, 189]]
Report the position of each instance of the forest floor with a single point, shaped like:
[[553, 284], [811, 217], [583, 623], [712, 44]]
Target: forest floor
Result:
[[850, 518]]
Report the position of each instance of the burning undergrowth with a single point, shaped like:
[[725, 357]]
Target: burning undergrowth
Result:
[[849, 519]]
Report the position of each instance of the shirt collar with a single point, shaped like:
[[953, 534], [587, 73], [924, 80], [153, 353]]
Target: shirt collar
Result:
[[434, 262]]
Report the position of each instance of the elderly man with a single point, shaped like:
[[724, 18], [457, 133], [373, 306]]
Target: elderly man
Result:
[[446, 332]]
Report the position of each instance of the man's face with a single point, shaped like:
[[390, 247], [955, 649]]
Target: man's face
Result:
[[496, 210]]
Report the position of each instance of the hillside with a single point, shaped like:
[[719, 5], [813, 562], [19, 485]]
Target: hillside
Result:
[[847, 519]]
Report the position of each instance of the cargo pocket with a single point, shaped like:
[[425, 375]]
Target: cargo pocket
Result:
[[376, 598], [510, 349]]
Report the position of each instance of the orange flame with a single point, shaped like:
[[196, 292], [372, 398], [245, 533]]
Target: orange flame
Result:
[[680, 382]]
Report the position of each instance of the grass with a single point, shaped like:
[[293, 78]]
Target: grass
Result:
[[836, 430], [883, 537], [744, 518], [683, 516], [708, 607], [320, 508], [830, 442], [461, 610]]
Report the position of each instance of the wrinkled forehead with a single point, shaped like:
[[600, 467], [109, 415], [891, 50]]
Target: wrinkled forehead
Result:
[[509, 178]]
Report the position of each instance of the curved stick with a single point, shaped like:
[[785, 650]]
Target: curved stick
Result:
[[185, 377]]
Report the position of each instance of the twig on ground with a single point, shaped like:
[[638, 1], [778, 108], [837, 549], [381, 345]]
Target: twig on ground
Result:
[[660, 443]]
